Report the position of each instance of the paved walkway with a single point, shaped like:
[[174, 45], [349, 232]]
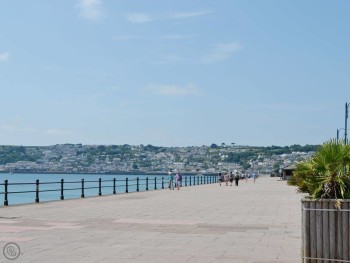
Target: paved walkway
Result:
[[251, 223]]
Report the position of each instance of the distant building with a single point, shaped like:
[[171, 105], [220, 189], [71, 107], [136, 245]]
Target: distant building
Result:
[[287, 172]]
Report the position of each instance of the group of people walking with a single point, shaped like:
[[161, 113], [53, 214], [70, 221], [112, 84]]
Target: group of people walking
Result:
[[223, 177], [174, 181], [227, 178]]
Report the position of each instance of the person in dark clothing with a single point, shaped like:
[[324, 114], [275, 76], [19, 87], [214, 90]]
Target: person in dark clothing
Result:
[[219, 179], [231, 178], [236, 178]]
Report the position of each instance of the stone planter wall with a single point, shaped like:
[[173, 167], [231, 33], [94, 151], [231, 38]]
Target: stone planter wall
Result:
[[325, 231]]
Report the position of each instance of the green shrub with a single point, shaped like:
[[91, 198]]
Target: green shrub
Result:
[[326, 175]]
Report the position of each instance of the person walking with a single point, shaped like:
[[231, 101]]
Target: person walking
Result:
[[171, 181], [231, 178], [227, 178], [219, 179], [254, 177], [222, 178], [178, 180], [236, 178]]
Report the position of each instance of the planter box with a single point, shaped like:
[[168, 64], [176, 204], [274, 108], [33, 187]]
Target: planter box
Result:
[[325, 231]]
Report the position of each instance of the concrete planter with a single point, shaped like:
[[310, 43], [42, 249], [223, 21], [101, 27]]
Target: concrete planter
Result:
[[325, 231]]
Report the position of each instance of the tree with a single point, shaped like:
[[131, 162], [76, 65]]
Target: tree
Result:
[[213, 146], [276, 167], [245, 164]]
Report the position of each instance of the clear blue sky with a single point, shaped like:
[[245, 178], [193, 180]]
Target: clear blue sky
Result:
[[173, 73]]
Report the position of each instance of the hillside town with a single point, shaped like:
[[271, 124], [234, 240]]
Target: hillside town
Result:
[[78, 158]]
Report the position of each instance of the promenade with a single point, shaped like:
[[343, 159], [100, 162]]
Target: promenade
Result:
[[251, 223]]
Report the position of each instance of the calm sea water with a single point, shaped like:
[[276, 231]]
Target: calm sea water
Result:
[[72, 185]]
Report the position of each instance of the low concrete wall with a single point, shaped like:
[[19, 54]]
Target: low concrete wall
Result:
[[325, 231]]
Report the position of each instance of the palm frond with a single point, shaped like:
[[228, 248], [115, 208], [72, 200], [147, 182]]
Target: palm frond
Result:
[[326, 174]]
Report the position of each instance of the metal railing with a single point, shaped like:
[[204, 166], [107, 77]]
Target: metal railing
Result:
[[136, 183]]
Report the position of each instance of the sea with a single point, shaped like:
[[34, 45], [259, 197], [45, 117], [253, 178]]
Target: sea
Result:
[[22, 186]]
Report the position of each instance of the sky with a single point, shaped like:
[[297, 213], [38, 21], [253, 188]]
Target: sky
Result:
[[173, 73]]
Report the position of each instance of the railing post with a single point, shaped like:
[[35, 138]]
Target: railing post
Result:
[[62, 195], [185, 180], [114, 192], [201, 179], [126, 185], [37, 191], [99, 186], [6, 202], [162, 182], [190, 181], [197, 180], [146, 183], [155, 183], [137, 185], [82, 188], [194, 180]]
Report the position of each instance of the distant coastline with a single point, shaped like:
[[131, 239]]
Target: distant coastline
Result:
[[143, 160]]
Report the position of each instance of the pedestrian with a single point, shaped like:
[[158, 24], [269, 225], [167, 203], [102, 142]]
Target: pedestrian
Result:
[[236, 178], [219, 179], [171, 181], [231, 178], [226, 178], [178, 180], [254, 177]]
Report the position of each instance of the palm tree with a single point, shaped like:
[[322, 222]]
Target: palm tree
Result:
[[326, 174], [326, 178]]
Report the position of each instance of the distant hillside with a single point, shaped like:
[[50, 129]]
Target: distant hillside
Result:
[[236, 154]]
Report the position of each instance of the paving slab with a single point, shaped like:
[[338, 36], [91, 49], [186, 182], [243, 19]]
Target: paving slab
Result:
[[254, 222]]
